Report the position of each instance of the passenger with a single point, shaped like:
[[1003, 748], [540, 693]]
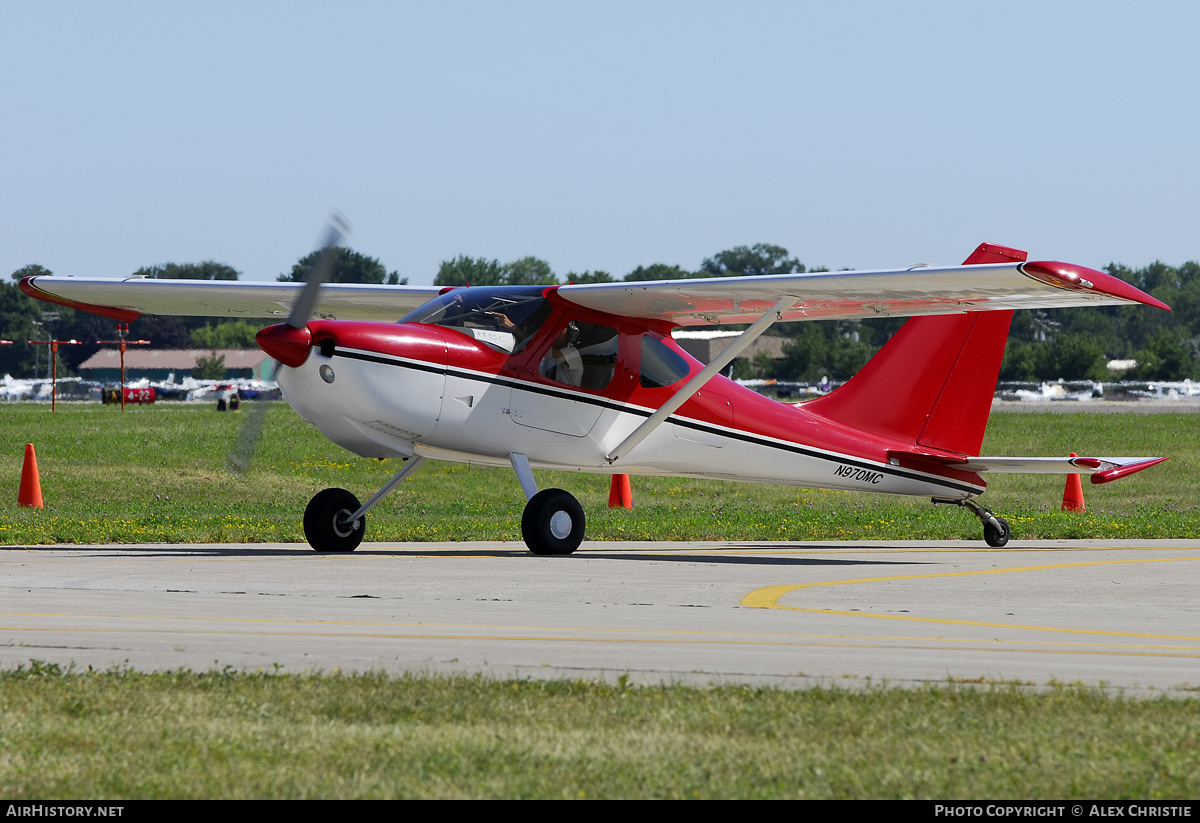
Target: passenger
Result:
[[563, 363]]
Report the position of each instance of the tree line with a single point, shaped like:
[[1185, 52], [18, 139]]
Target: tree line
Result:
[[1072, 344], [761, 258]]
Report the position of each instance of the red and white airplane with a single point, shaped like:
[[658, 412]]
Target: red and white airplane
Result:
[[587, 378]]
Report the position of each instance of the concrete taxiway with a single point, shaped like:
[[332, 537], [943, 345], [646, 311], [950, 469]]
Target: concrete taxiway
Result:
[[1124, 615]]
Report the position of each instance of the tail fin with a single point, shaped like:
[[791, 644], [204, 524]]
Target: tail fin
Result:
[[932, 383]]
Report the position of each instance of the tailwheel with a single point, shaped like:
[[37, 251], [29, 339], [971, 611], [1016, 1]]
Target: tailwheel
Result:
[[552, 523], [996, 536], [995, 529], [327, 524]]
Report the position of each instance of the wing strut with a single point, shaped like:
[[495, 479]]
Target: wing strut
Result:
[[694, 385]]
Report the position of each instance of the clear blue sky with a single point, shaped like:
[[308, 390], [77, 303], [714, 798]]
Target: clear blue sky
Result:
[[596, 135]]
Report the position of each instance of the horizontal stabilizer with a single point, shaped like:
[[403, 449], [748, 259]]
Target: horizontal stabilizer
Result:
[[1102, 469]]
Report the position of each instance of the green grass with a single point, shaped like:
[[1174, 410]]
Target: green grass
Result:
[[230, 735], [161, 473]]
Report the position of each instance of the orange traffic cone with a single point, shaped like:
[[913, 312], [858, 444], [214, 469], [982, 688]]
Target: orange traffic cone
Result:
[[31, 486], [1073, 494], [620, 493]]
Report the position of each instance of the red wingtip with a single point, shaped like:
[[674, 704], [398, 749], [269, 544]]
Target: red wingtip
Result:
[[1125, 471], [30, 288], [1080, 278]]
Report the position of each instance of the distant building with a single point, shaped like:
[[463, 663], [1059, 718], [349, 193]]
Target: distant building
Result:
[[105, 365], [705, 344]]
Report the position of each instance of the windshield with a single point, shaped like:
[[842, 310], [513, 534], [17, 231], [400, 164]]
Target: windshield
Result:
[[505, 318]]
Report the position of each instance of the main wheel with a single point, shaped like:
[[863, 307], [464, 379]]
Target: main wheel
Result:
[[327, 521], [552, 522], [996, 538]]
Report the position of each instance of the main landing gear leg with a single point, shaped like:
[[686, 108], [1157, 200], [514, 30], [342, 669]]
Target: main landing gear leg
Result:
[[553, 519], [995, 529], [335, 522]]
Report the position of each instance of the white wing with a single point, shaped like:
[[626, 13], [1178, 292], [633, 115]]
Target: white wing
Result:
[[822, 295], [127, 299], [854, 294]]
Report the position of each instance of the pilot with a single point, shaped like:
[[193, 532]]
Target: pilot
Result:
[[563, 363]]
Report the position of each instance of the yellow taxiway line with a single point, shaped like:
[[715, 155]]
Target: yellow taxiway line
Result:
[[768, 598]]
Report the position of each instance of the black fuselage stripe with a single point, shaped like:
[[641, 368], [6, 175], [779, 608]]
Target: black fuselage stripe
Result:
[[495, 381], [685, 422]]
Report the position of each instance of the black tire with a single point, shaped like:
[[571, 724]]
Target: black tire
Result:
[[996, 538], [552, 523], [325, 524]]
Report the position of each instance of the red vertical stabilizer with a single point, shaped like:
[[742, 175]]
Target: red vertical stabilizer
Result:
[[931, 384]]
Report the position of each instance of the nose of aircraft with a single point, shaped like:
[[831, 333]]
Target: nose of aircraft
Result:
[[287, 344], [373, 388]]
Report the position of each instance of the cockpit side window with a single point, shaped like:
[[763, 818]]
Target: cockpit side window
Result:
[[503, 318], [583, 355], [661, 365]]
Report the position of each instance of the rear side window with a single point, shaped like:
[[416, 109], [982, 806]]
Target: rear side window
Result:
[[661, 365]]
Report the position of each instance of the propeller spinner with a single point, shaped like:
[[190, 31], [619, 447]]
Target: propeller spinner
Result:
[[291, 342]]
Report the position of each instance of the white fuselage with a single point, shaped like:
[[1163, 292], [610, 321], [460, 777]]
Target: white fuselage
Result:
[[387, 406]]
